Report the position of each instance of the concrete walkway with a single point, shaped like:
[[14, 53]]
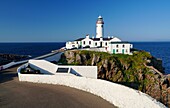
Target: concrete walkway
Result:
[[15, 94]]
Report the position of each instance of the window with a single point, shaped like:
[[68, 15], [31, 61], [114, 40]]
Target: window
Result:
[[84, 42], [117, 50], [117, 46], [62, 70], [123, 46], [106, 43], [96, 44], [77, 42], [89, 42]]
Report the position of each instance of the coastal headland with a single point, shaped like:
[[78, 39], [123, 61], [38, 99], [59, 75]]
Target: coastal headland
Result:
[[140, 71]]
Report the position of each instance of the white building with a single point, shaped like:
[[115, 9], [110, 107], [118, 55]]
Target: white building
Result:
[[109, 44]]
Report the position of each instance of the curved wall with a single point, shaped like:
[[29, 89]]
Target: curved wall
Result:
[[119, 95]]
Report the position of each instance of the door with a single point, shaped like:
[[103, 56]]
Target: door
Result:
[[113, 51], [123, 51]]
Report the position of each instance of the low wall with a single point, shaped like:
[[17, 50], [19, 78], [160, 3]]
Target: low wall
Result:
[[43, 65], [85, 71], [55, 57], [95, 49], [49, 57], [48, 68], [12, 64], [21, 67], [116, 94]]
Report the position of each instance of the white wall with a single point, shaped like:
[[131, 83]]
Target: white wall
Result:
[[104, 43], [95, 49], [86, 40], [70, 45], [22, 67], [84, 71], [53, 56], [119, 95], [120, 47], [44, 66], [115, 39], [50, 68]]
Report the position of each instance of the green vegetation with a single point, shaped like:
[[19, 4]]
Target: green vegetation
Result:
[[137, 71], [130, 70]]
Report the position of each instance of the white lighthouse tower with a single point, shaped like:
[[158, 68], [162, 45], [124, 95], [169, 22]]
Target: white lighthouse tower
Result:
[[99, 27]]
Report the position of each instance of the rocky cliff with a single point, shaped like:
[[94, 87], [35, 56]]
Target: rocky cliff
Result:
[[7, 58], [140, 71]]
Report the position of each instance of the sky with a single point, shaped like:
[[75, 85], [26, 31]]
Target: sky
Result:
[[66, 20]]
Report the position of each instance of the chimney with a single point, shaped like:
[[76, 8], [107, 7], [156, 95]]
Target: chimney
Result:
[[87, 36], [101, 39], [92, 37]]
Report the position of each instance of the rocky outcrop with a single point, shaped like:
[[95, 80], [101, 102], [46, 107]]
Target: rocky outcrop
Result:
[[156, 63], [140, 71], [7, 58]]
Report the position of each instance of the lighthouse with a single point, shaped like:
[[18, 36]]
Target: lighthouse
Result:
[[99, 27]]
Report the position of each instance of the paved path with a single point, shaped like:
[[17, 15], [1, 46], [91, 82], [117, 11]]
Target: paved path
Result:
[[15, 94]]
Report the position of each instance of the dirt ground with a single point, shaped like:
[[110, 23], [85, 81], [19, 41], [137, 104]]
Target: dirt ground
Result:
[[15, 94]]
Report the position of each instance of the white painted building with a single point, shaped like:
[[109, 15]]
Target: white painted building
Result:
[[110, 44]]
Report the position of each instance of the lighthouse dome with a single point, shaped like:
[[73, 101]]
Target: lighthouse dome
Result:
[[100, 20]]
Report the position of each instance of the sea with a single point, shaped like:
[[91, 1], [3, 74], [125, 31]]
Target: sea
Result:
[[157, 49]]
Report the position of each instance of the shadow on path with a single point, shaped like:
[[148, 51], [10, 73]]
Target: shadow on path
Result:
[[7, 75]]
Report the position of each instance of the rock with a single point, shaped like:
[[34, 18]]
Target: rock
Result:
[[129, 70], [140, 76], [95, 60], [156, 63], [78, 59], [168, 96], [157, 76], [84, 58], [7, 58], [156, 92], [69, 54], [105, 63]]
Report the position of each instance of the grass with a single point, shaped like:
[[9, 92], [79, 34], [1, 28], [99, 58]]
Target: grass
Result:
[[129, 67]]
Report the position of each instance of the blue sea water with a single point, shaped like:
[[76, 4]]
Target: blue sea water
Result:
[[158, 49], [32, 49]]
